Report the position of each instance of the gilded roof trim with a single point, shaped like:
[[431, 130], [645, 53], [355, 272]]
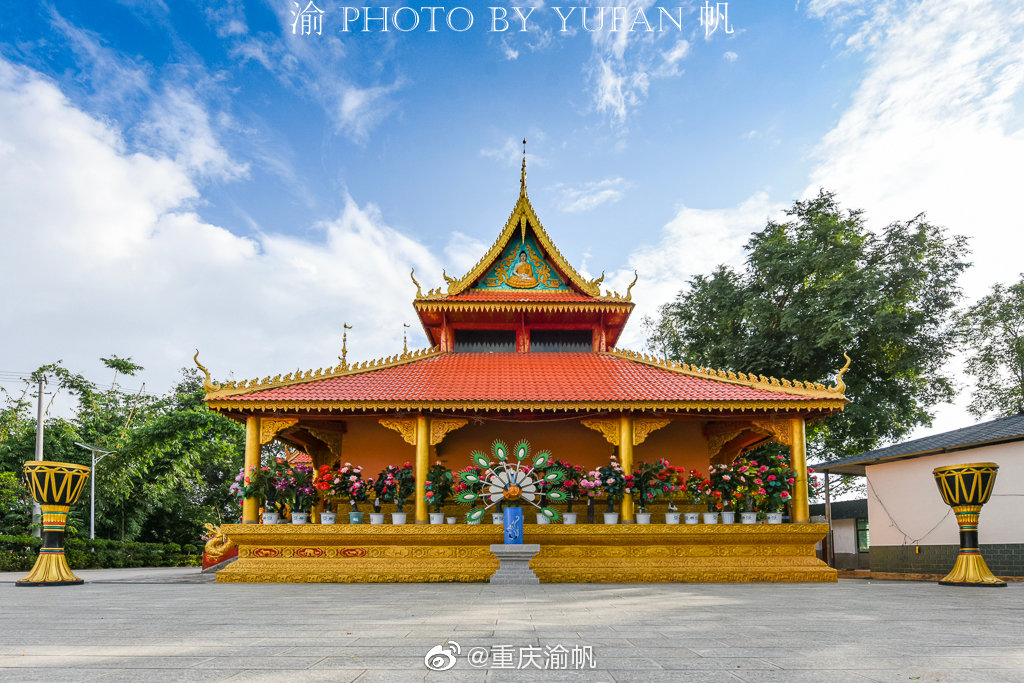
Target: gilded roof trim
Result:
[[790, 405], [528, 306]]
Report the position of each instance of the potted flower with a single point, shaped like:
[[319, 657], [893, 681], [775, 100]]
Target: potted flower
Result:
[[672, 479], [358, 492], [438, 490], [777, 478], [615, 486], [329, 485], [693, 490], [723, 481], [301, 492], [571, 487], [476, 487], [648, 486], [395, 484], [590, 486]]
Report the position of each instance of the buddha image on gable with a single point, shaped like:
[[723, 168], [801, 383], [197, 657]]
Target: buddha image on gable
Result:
[[522, 275]]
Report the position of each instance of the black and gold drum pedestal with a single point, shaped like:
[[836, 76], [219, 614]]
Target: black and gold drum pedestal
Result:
[[966, 488], [55, 486]]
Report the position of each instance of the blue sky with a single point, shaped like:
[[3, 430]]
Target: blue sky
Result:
[[193, 174]]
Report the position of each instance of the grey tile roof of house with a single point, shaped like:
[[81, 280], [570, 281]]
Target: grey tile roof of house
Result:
[[1000, 430], [843, 509]]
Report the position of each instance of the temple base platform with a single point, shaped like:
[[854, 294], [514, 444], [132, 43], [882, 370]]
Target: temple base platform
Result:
[[585, 553]]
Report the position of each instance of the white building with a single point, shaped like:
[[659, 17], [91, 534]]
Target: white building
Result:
[[912, 529]]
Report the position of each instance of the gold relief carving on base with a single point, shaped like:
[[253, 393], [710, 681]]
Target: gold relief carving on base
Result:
[[441, 427], [272, 426], [609, 428], [406, 426], [642, 427]]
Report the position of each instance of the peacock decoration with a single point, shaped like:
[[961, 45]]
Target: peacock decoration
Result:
[[511, 479]]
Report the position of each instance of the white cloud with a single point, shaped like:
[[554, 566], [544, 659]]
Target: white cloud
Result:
[[120, 264], [935, 125], [692, 243], [510, 152], [589, 196], [730, 56], [462, 253]]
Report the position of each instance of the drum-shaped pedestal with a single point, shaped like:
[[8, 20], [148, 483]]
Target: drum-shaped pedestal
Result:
[[966, 488], [55, 486]]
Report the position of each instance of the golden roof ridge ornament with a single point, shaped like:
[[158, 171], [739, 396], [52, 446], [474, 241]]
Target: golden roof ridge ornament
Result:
[[813, 389], [840, 385], [522, 176], [629, 290], [300, 377], [208, 384], [344, 345], [419, 292]]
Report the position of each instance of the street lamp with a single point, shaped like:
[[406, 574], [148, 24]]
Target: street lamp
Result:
[[92, 483]]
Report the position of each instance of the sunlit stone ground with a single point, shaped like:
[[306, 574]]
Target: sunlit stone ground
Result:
[[172, 624]]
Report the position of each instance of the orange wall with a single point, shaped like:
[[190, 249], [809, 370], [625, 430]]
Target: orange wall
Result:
[[372, 446]]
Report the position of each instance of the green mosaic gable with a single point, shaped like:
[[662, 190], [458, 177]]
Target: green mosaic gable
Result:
[[508, 271]]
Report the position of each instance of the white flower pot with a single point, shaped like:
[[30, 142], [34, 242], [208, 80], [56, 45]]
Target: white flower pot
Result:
[[672, 517], [541, 519], [398, 518], [710, 517], [569, 518], [611, 518], [328, 517], [271, 518], [691, 517], [748, 517], [437, 518], [498, 518], [376, 518], [300, 518], [355, 518], [773, 518], [643, 518], [450, 520], [728, 517]]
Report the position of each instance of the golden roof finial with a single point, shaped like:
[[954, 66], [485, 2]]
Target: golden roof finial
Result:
[[840, 385], [419, 292], [522, 178], [405, 340], [629, 295], [208, 384], [344, 345]]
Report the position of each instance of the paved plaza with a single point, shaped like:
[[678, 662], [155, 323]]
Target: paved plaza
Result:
[[174, 624]]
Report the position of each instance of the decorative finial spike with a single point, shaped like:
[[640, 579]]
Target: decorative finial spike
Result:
[[522, 179], [344, 348], [840, 386], [405, 339]]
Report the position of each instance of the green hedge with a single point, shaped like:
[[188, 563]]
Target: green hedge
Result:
[[18, 553]]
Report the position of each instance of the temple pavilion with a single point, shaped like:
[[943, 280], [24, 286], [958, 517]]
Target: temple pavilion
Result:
[[523, 346]]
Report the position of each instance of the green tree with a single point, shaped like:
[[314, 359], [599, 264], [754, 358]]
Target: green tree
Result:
[[819, 284], [993, 332]]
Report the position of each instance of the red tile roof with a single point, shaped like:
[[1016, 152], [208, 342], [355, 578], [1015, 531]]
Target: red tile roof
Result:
[[519, 377]]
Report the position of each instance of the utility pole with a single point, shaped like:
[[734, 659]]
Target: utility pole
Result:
[[37, 512], [93, 450]]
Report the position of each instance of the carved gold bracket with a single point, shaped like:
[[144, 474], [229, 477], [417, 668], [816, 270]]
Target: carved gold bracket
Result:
[[609, 428], [643, 427], [776, 428], [440, 428], [272, 426], [717, 442], [332, 439], [406, 426]]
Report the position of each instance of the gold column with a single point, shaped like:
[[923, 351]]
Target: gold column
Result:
[[422, 465], [626, 460], [251, 506], [798, 460]]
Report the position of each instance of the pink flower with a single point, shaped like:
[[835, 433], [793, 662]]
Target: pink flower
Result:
[[771, 477], [784, 495], [790, 480]]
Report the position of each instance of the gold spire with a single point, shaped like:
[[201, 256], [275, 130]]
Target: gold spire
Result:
[[522, 178], [405, 340], [344, 345]]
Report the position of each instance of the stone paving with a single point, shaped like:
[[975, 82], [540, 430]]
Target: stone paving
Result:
[[173, 624]]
